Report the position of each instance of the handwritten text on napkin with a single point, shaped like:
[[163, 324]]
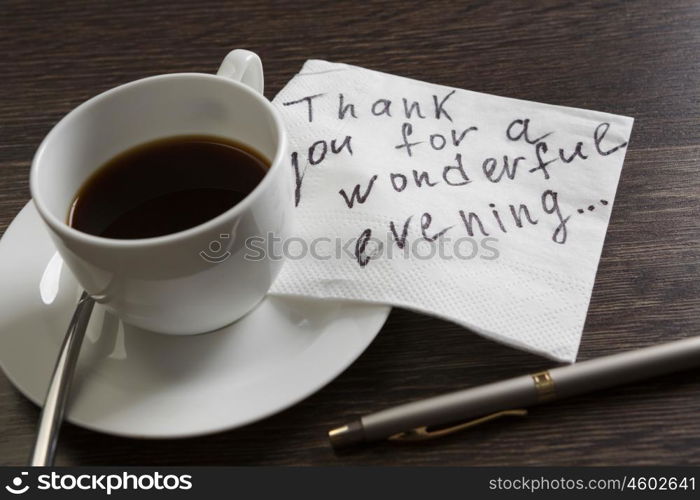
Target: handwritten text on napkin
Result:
[[487, 211]]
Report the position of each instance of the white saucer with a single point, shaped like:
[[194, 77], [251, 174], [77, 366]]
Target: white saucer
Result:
[[135, 383]]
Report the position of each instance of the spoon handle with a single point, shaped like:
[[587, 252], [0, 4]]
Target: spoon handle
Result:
[[59, 388]]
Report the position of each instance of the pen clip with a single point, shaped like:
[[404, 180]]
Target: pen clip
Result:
[[423, 434]]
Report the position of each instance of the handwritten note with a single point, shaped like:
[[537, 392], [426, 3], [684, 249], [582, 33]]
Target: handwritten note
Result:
[[487, 211]]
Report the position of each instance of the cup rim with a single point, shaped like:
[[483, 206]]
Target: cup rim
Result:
[[66, 231]]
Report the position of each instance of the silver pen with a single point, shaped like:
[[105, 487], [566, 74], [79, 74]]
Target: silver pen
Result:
[[436, 416]]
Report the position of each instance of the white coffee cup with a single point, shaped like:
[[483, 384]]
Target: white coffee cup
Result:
[[195, 280]]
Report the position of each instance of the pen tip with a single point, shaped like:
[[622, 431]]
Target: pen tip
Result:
[[347, 435]]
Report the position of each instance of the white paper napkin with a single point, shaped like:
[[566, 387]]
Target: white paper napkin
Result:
[[511, 198]]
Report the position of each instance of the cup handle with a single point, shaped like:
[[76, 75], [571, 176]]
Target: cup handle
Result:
[[243, 66]]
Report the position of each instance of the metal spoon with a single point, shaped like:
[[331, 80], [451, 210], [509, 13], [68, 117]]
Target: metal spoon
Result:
[[59, 388]]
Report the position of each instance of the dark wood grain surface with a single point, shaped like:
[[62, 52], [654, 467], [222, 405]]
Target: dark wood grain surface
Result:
[[640, 59]]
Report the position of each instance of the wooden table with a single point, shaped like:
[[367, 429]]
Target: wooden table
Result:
[[640, 59]]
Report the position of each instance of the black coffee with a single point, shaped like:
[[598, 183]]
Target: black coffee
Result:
[[166, 186]]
